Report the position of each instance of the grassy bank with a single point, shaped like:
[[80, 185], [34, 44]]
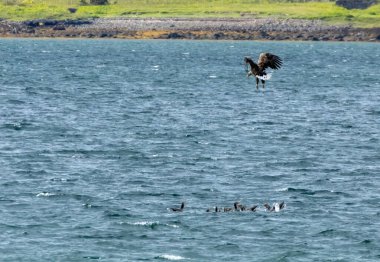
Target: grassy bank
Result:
[[58, 9]]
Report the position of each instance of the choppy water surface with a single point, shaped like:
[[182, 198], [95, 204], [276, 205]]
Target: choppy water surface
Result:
[[99, 138]]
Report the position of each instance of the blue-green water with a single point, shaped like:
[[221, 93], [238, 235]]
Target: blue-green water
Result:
[[99, 138]]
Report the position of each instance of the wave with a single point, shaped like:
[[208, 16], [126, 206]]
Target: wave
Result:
[[304, 191], [366, 242], [144, 223], [45, 194], [61, 195], [373, 112], [171, 257], [150, 224], [284, 189], [16, 102], [17, 125]]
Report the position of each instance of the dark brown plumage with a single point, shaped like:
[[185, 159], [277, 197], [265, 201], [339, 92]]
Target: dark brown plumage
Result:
[[242, 208], [227, 209], [253, 209], [266, 60], [175, 209], [268, 207]]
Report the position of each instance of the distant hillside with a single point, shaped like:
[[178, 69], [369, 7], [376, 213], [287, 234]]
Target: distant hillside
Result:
[[327, 11]]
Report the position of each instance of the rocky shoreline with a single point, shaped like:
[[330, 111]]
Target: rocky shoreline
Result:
[[187, 28]]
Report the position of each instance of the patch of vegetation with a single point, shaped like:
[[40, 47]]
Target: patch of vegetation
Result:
[[355, 4], [297, 9]]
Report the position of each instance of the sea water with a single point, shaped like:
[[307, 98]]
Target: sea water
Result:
[[100, 137]]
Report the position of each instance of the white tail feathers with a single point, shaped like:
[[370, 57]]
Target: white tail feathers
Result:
[[264, 77]]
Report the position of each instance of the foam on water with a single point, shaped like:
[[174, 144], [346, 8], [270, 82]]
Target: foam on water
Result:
[[145, 223], [172, 257], [151, 224], [45, 194], [283, 189]]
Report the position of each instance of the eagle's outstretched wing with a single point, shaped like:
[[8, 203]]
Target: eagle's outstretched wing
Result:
[[269, 60]]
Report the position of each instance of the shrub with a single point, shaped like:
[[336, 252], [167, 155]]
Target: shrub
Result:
[[355, 4], [11, 2], [99, 2], [72, 10]]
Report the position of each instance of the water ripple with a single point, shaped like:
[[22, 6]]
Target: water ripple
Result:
[[98, 144]]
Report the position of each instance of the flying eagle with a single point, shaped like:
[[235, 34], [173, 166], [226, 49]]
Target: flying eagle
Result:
[[258, 70]]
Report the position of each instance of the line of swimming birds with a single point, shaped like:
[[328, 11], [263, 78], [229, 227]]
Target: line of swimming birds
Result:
[[237, 208]]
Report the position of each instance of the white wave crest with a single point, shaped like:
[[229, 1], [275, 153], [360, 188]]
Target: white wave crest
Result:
[[284, 189], [171, 257], [265, 77], [45, 194], [152, 223], [145, 223]]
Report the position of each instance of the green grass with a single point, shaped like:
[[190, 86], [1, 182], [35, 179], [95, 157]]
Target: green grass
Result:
[[57, 9]]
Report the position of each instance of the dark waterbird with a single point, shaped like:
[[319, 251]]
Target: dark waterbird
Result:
[[237, 206], [258, 70], [227, 209], [242, 207], [253, 209], [216, 209], [176, 209], [268, 207], [276, 207]]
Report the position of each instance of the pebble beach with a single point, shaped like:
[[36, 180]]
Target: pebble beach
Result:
[[189, 28]]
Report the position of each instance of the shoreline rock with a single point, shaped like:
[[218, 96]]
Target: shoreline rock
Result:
[[187, 28]]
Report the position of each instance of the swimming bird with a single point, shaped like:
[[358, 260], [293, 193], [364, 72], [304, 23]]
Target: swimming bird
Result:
[[175, 209], [268, 207], [227, 209], [253, 209], [281, 205], [276, 206], [258, 70], [238, 206], [215, 209], [242, 208]]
